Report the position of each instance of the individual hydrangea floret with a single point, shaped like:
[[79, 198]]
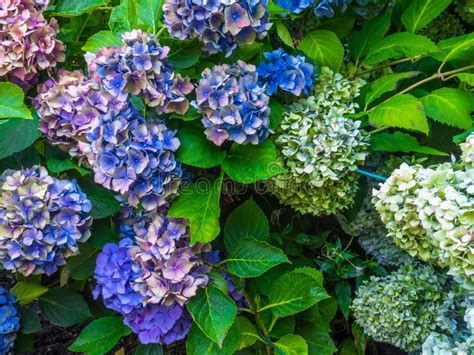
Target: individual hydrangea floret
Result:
[[139, 67], [286, 72], [320, 149], [234, 104], [9, 321], [220, 25], [69, 107], [42, 220], [135, 157], [404, 307], [150, 277], [295, 6], [28, 43]]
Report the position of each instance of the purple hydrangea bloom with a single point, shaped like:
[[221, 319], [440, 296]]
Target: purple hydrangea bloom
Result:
[[69, 107], [28, 43], [159, 324], [139, 67], [135, 157], [42, 220], [234, 104], [220, 25], [286, 72], [9, 321], [295, 6], [150, 277]]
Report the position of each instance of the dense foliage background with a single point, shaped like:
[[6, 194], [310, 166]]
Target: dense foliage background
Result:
[[218, 177]]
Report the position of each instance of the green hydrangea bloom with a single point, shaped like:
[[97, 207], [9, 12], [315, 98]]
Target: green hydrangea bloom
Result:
[[320, 148], [467, 149], [465, 9], [443, 27], [367, 226], [404, 307]]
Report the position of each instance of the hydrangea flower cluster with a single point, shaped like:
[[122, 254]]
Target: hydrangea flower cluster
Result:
[[443, 27], [320, 148], [428, 212], [404, 307], [42, 220], [220, 25], [28, 43], [367, 226], [234, 104], [9, 320], [286, 72], [140, 68], [295, 6], [135, 157], [69, 107], [364, 8], [149, 278]]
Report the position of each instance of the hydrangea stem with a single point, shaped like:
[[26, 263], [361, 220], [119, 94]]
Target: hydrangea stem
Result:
[[371, 175]]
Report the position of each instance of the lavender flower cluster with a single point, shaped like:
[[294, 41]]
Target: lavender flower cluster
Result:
[[150, 277], [286, 72], [42, 220], [234, 104], [28, 43], [9, 320], [220, 25], [139, 67]]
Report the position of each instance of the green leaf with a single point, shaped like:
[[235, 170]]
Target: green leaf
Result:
[[319, 343], [100, 336], [399, 45], [386, 83], [183, 54], [82, 266], [199, 203], [218, 280], [149, 13], [29, 321], [27, 292], [341, 25], [403, 111], [294, 292], [58, 166], [196, 150], [460, 47], [24, 343], [372, 32], [123, 17], [104, 203], [214, 312], [276, 113], [320, 315], [190, 115], [248, 333], [324, 48], [467, 78], [149, 349], [251, 258], [100, 40], [17, 135], [343, 296], [284, 34], [102, 235], [422, 12], [247, 220], [400, 142], [292, 345], [283, 326], [11, 102], [198, 344], [64, 307], [450, 106], [68, 8], [460, 138], [250, 163]]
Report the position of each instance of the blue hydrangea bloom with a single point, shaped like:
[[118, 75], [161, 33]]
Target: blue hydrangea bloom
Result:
[[294, 6], [325, 8], [42, 220], [135, 157], [151, 276], [234, 104], [9, 320], [139, 67], [287, 72], [221, 25]]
